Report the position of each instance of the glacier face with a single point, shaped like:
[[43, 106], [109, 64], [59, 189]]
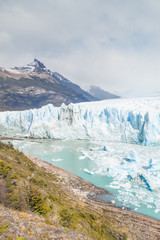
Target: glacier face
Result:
[[134, 120]]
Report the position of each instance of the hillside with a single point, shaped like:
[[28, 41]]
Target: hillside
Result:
[[40, 201], [101, 94], [33, 86]]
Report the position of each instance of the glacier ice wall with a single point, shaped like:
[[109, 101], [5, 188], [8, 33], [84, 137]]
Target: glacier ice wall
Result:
[[134, 120]]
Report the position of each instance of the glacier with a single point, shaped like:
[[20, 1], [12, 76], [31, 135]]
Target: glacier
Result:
[[130, 120]]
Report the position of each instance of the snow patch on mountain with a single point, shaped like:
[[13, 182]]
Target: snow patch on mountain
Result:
[[33, 67], [37, 67]]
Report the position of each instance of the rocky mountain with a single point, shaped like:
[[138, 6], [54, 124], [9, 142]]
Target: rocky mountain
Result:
[[99, 93], [33, 86]]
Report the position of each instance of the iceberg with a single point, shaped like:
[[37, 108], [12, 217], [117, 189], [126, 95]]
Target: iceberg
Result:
[[134, 120], [88, 172], [132, 173], [150, 165]]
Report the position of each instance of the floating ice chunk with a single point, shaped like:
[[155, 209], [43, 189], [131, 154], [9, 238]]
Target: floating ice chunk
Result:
[[95, 149], [157, 211], [114, 186], [145, 182], [130, 160], [88, 171], [104, 148], [150, 165], [149, 206], [131, 156], [85, 154], [129, 177], [82, 157], [57, 160]]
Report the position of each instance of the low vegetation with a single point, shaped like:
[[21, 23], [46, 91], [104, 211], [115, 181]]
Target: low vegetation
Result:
[[28, 188], [38, 201]]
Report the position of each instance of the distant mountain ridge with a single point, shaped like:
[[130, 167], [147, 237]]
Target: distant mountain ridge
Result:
[[33, 86], [101, 94]]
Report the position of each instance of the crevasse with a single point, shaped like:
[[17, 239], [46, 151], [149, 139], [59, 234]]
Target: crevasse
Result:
[[134, 120]]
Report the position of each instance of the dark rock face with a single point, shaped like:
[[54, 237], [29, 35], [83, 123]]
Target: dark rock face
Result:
[[101, 94], [33, 86], [41, 65]]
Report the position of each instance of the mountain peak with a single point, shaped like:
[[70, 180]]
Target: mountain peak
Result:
[[37, 67], [39, 64], [34, 67]]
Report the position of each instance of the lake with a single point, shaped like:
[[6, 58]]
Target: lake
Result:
[[130, 172]]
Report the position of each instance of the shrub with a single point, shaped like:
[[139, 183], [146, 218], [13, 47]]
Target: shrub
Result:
[[38, 203], [20, 238], [65, 217], [10, 145], [4, 227]]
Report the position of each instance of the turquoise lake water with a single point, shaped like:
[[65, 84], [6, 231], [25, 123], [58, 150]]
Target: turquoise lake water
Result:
[[104, 164]]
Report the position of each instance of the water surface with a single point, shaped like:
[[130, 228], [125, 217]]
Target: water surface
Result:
[[123, 169]]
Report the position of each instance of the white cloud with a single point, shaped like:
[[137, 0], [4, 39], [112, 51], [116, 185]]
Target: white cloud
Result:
[[4, 38], [114, 44]]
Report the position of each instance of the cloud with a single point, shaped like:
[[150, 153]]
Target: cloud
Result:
[[113, 44]]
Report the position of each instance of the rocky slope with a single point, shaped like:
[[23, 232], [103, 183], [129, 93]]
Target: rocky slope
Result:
[[33, 86], [16, 225]]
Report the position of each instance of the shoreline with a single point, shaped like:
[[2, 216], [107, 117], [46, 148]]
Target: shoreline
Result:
[[90, 190], [81, 186], [83, 193], [77, 188], [10, 138]]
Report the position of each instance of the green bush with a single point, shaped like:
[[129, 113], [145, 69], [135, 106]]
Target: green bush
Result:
[[65, 217], [10, 145], [4, 227], [20, 238], [38, 203]]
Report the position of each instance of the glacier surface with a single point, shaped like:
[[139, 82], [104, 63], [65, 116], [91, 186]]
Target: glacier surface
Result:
[[134, 120]]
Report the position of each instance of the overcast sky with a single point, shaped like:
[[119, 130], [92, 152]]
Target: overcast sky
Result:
[[114, 44]]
